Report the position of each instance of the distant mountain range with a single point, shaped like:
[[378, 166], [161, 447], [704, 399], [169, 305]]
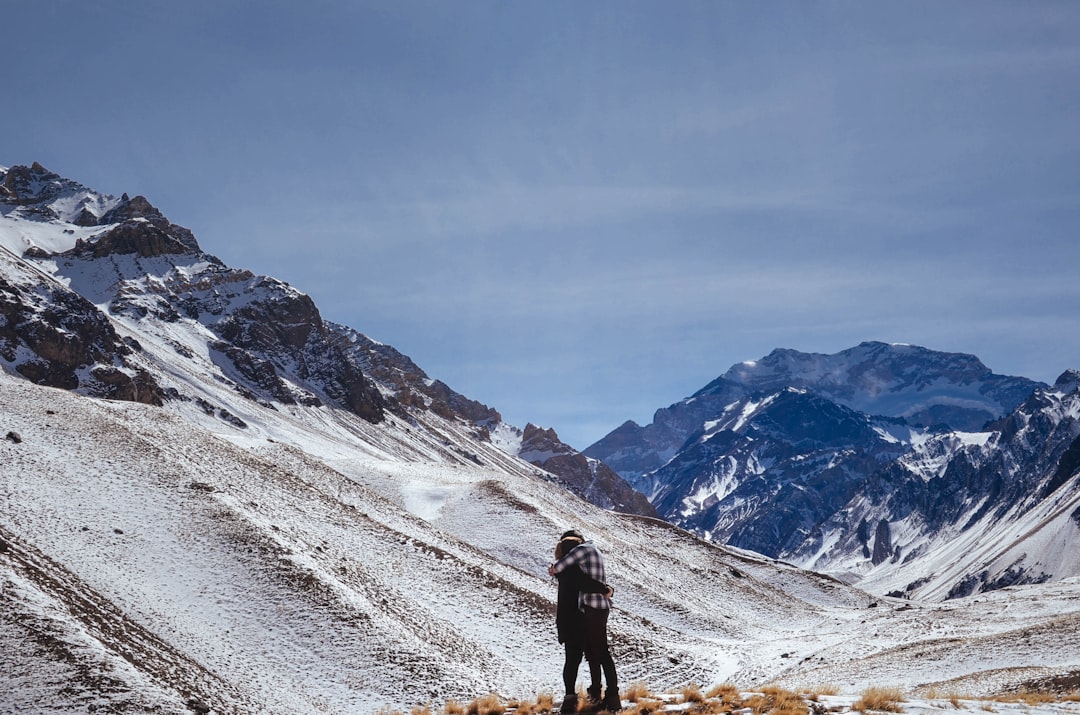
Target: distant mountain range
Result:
[[871, 464]]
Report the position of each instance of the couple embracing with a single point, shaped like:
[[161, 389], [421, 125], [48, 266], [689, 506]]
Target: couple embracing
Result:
[[584, 603]]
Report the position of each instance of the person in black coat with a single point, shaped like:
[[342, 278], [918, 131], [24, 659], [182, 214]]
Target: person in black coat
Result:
[[570, 620]]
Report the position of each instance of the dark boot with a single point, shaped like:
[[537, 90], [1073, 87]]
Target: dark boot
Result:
[[569, 703], [594, 700], [611, 702]]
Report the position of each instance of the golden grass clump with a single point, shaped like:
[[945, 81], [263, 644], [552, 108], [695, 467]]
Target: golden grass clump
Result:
[[487, 705], [953, 697], [643, 706], [727, 694], [1028, 697], [784, 702], [637, 691], [816, 691], [453, 707], [692, 694], [880, 699], [545, 703]]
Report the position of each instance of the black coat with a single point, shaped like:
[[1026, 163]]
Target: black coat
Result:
[[569, 620]]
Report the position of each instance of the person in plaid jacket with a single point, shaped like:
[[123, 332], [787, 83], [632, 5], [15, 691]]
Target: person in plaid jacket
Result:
[[597, 608]]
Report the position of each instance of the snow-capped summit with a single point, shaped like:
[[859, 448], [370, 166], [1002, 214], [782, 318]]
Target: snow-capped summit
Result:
[[925, 387], [35, 193]]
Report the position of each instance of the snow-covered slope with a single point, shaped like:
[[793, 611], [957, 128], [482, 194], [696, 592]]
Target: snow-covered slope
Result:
[[315, 562], [969, 512]]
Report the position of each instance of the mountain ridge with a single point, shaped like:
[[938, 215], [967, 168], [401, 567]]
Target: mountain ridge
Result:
[[761, 458], [267, 339]]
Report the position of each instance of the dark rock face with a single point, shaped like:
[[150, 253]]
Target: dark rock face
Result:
[[26, 185], [1027, 459], [277, 343], [408, 387], [139, 210], [635, 451], [770, 469], [73, 345], [590, 479], [138, 237], [272, 342]]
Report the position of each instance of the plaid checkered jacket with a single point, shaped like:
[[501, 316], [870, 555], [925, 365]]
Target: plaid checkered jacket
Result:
[[591, 561]]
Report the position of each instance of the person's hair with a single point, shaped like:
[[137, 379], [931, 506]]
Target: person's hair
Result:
[[566, 545]]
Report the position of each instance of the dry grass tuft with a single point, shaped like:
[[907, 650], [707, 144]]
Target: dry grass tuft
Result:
[[454, 708], [781, 701], [1028, 697], [692, 694], [880, 699], [545, 703], [815, 692], [487, 705], [727, 694], [637, 691], [643, 706], [953, 697]]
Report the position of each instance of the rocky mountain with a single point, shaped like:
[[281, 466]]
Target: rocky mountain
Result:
[[589, 478], [965, 513], [257, 334], [858, 463], [924, 387]]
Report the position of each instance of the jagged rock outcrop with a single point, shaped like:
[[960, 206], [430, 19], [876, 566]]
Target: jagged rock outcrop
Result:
[[589, 478], [1020, 476], [54, 337], [271, 341]]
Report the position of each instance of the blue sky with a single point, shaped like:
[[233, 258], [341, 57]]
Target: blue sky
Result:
[[578, 213]]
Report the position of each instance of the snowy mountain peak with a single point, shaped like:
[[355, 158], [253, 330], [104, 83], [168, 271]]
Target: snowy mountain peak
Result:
[[898, 380], [857, 463], [275, 514], [1068, 381], [35, 193]]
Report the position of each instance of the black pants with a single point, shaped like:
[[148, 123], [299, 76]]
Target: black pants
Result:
[[597, 651], [575, 649]]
